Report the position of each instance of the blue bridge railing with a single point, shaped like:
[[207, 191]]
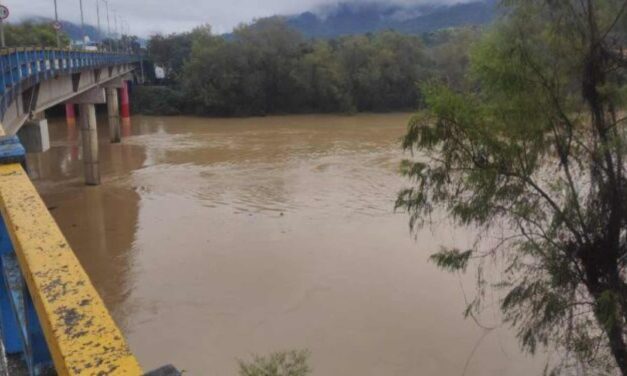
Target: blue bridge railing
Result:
[[21, 68]]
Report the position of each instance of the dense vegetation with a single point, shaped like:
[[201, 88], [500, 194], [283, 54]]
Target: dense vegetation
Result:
[[268, 67], [531, 151], [32, 34], [288, 363]]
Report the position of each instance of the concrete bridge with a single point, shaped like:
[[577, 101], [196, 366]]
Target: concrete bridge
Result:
[[51, 316], [33, 80]]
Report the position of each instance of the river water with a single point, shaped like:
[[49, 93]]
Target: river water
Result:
[[214, 239]]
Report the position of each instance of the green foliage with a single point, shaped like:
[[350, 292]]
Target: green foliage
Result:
[[290, 363], [268, 67], [452, 259], [173, 50], [32, 34], [449, 53], [126, 43], [530, 144], [157, 100]]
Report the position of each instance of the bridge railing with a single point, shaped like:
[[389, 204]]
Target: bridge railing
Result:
[[24, 67], [50, 313]]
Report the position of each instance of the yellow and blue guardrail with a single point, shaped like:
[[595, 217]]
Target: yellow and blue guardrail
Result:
[[51, 313]]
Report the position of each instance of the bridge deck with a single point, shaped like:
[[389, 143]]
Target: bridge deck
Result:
[[34, 79]]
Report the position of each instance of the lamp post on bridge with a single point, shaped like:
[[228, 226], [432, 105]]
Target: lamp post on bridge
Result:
[[117, 30], [129, 41], [108, 24], [98, 16], [125, 35], [56, 24], [84, 37], [4, 13]]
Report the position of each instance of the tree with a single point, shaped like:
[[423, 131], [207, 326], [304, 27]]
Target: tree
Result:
[[536, 147], [322, 84], [289, 363], [271, 50], [268, 67], [449, 53], [173, 50], [32, 34], [126, 43]]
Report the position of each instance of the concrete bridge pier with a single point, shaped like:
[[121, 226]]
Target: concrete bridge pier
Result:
[[89, 132], [125, 101], [89, 136], [70, 114], [114, 114], [34, 134]]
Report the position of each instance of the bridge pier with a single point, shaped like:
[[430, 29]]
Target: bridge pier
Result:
[[89, 132], [114, 114], [34, 135], [70, 114], [124, 101], [89, 136]]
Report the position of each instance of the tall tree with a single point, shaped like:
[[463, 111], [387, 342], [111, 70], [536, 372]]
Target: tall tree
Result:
[[172, 51], [537, 148], [321, 80]]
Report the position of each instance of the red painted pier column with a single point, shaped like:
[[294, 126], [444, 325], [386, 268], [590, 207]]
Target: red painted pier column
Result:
[[70, 113], [125, 109]]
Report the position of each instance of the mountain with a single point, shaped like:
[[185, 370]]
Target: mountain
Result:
[[74, 31], [358, 18]]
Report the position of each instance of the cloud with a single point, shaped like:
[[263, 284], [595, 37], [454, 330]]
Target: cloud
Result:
[[146, 17]]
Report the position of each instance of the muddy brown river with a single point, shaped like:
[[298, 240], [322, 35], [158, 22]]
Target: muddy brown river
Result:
[[214, 239]]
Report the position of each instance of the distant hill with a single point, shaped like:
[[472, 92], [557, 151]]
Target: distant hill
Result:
[[73, 30], [75, 33], [358, 18]]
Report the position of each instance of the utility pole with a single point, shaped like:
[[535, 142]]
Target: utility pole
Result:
[[84, 37], [130, 40], [98, 16], [117, 34], [2, 42], [56, 25], [108, 24], [126, 33], [124, 36]]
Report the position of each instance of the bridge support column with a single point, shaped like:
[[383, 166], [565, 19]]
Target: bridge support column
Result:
[[34, 136], [89, 135], [70, 114], [114, 114], [124, 101]]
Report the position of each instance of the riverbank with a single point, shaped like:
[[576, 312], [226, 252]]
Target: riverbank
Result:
[[161, 100]]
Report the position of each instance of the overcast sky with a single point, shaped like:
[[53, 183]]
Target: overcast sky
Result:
[[148, 17]]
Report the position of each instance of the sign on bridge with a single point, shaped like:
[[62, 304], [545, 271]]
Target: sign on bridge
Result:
[[4, 12]]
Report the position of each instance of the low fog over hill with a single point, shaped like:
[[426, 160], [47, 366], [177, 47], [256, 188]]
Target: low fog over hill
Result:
[[357, 17]]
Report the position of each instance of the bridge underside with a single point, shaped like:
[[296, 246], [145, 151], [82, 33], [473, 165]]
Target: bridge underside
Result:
[[36, 96]]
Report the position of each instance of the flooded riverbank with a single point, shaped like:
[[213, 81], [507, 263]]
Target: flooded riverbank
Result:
[[214, 239]]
